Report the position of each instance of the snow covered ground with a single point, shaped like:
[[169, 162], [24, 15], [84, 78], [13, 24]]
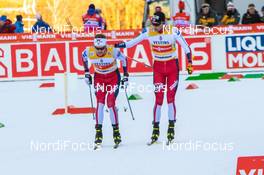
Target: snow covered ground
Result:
[[221, 120]]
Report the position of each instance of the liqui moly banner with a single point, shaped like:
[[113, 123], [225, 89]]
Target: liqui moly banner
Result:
[[245, 52]]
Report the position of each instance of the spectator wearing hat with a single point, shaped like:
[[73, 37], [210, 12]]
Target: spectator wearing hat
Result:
[[181, 19], [231, 16], [3, 18], [41, 26], [19, 24], [262, 11], [251, 16], [207, 17], [91, 20], [6, 25], [158, 10]]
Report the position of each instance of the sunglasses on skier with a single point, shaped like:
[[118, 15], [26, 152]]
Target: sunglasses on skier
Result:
[[100, 48], [156, 24]]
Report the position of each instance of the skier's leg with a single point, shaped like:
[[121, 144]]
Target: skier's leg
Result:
[[111, 103], [100, 94], [159, 82], [171, 93], [112, 93], [172, 85], [100, 97]]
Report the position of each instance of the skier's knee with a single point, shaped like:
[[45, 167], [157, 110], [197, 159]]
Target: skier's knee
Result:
[[159, 101], [110, 103], [170, 100], [102, 101], [170, 97]]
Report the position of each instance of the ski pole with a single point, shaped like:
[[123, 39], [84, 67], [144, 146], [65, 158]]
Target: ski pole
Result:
[[91, 98], [129, 105], [138, 61]]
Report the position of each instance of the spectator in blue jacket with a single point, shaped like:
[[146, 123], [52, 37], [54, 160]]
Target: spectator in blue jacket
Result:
[[3, 18], [19, 24], [41, 26]]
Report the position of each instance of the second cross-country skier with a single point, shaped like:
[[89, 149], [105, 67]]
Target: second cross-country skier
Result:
[[165, 69]]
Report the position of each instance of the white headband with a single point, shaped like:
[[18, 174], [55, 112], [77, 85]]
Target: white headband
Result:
[[99, 42]]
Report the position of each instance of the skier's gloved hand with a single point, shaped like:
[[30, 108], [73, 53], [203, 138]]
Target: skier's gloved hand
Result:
[[88, 78], [124, 81], [190, 68], [120, 45], [189, 65]]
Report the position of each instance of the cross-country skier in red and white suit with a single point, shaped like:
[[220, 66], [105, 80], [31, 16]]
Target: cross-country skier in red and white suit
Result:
[[165, 68], [106, 82]]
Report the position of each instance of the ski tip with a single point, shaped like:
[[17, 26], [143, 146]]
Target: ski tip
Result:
[[116, 146], [97, 147], [169, 142], [151, 143]]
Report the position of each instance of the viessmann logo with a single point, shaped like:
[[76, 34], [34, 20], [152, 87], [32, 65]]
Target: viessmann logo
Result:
[[245, 52], [250, 165]]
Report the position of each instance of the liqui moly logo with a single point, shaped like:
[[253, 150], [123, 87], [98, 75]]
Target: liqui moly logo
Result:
[[245, 52]]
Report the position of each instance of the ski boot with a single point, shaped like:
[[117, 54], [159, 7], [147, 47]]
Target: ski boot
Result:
[[116, 135], [171, 133], [98, 135], [155, 133]]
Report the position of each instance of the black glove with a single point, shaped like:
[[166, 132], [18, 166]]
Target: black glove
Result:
[[120, 45], [88, 78], [124, 81]]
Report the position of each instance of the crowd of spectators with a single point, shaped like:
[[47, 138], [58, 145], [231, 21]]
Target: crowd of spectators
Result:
[[208, 17], [93, 18], [7, 26]]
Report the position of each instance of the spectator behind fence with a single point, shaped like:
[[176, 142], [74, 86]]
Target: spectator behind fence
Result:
[[181, 19], [3, 18], [262, 11], [104, 25], [6, 25], [91, 20], [158, 9], [231, 16], [251, 16], [207, 17], [19, 24], [41, 26]]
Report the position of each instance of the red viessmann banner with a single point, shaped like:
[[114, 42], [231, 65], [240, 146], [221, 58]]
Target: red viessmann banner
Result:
[[42, 60], [124, 34], [26, 56]]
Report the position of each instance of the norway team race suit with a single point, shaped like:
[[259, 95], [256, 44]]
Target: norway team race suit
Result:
[[165, 66], [106, 80]]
